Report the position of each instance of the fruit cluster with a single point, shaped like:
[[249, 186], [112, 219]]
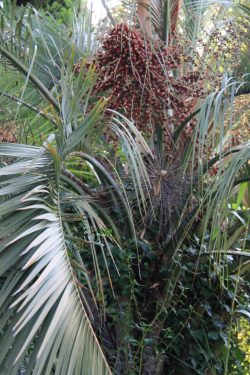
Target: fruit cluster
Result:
[[226, 42], [142, 79], [7, 134]]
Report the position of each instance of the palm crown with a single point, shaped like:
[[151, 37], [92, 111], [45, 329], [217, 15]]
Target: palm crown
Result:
[[88, 176]]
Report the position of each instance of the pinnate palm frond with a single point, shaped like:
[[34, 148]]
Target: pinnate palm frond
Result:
[[34, 39], [218, 165], [44, 320], [135, 148], [217, 118], [33, 49]]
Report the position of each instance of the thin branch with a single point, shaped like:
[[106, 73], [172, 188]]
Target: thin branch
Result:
[[241, 181], [228, 252], [217, 158], [109, 14], [25, 104], [76, 180], [183, 124], [38, 84]]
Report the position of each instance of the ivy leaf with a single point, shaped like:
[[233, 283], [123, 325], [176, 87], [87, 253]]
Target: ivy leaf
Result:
[[213, 335]]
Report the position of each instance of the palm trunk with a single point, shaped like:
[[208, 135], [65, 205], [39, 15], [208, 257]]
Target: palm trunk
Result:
[[175, 10], [143, 12]]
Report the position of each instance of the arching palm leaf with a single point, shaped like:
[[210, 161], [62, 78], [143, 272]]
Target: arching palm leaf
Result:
[[36, 46], [43, 315]]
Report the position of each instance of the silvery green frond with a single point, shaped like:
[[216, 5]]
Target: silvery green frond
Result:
[[44, 319]]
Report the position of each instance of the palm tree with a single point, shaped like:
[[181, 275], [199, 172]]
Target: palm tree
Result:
[[85, 189]]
